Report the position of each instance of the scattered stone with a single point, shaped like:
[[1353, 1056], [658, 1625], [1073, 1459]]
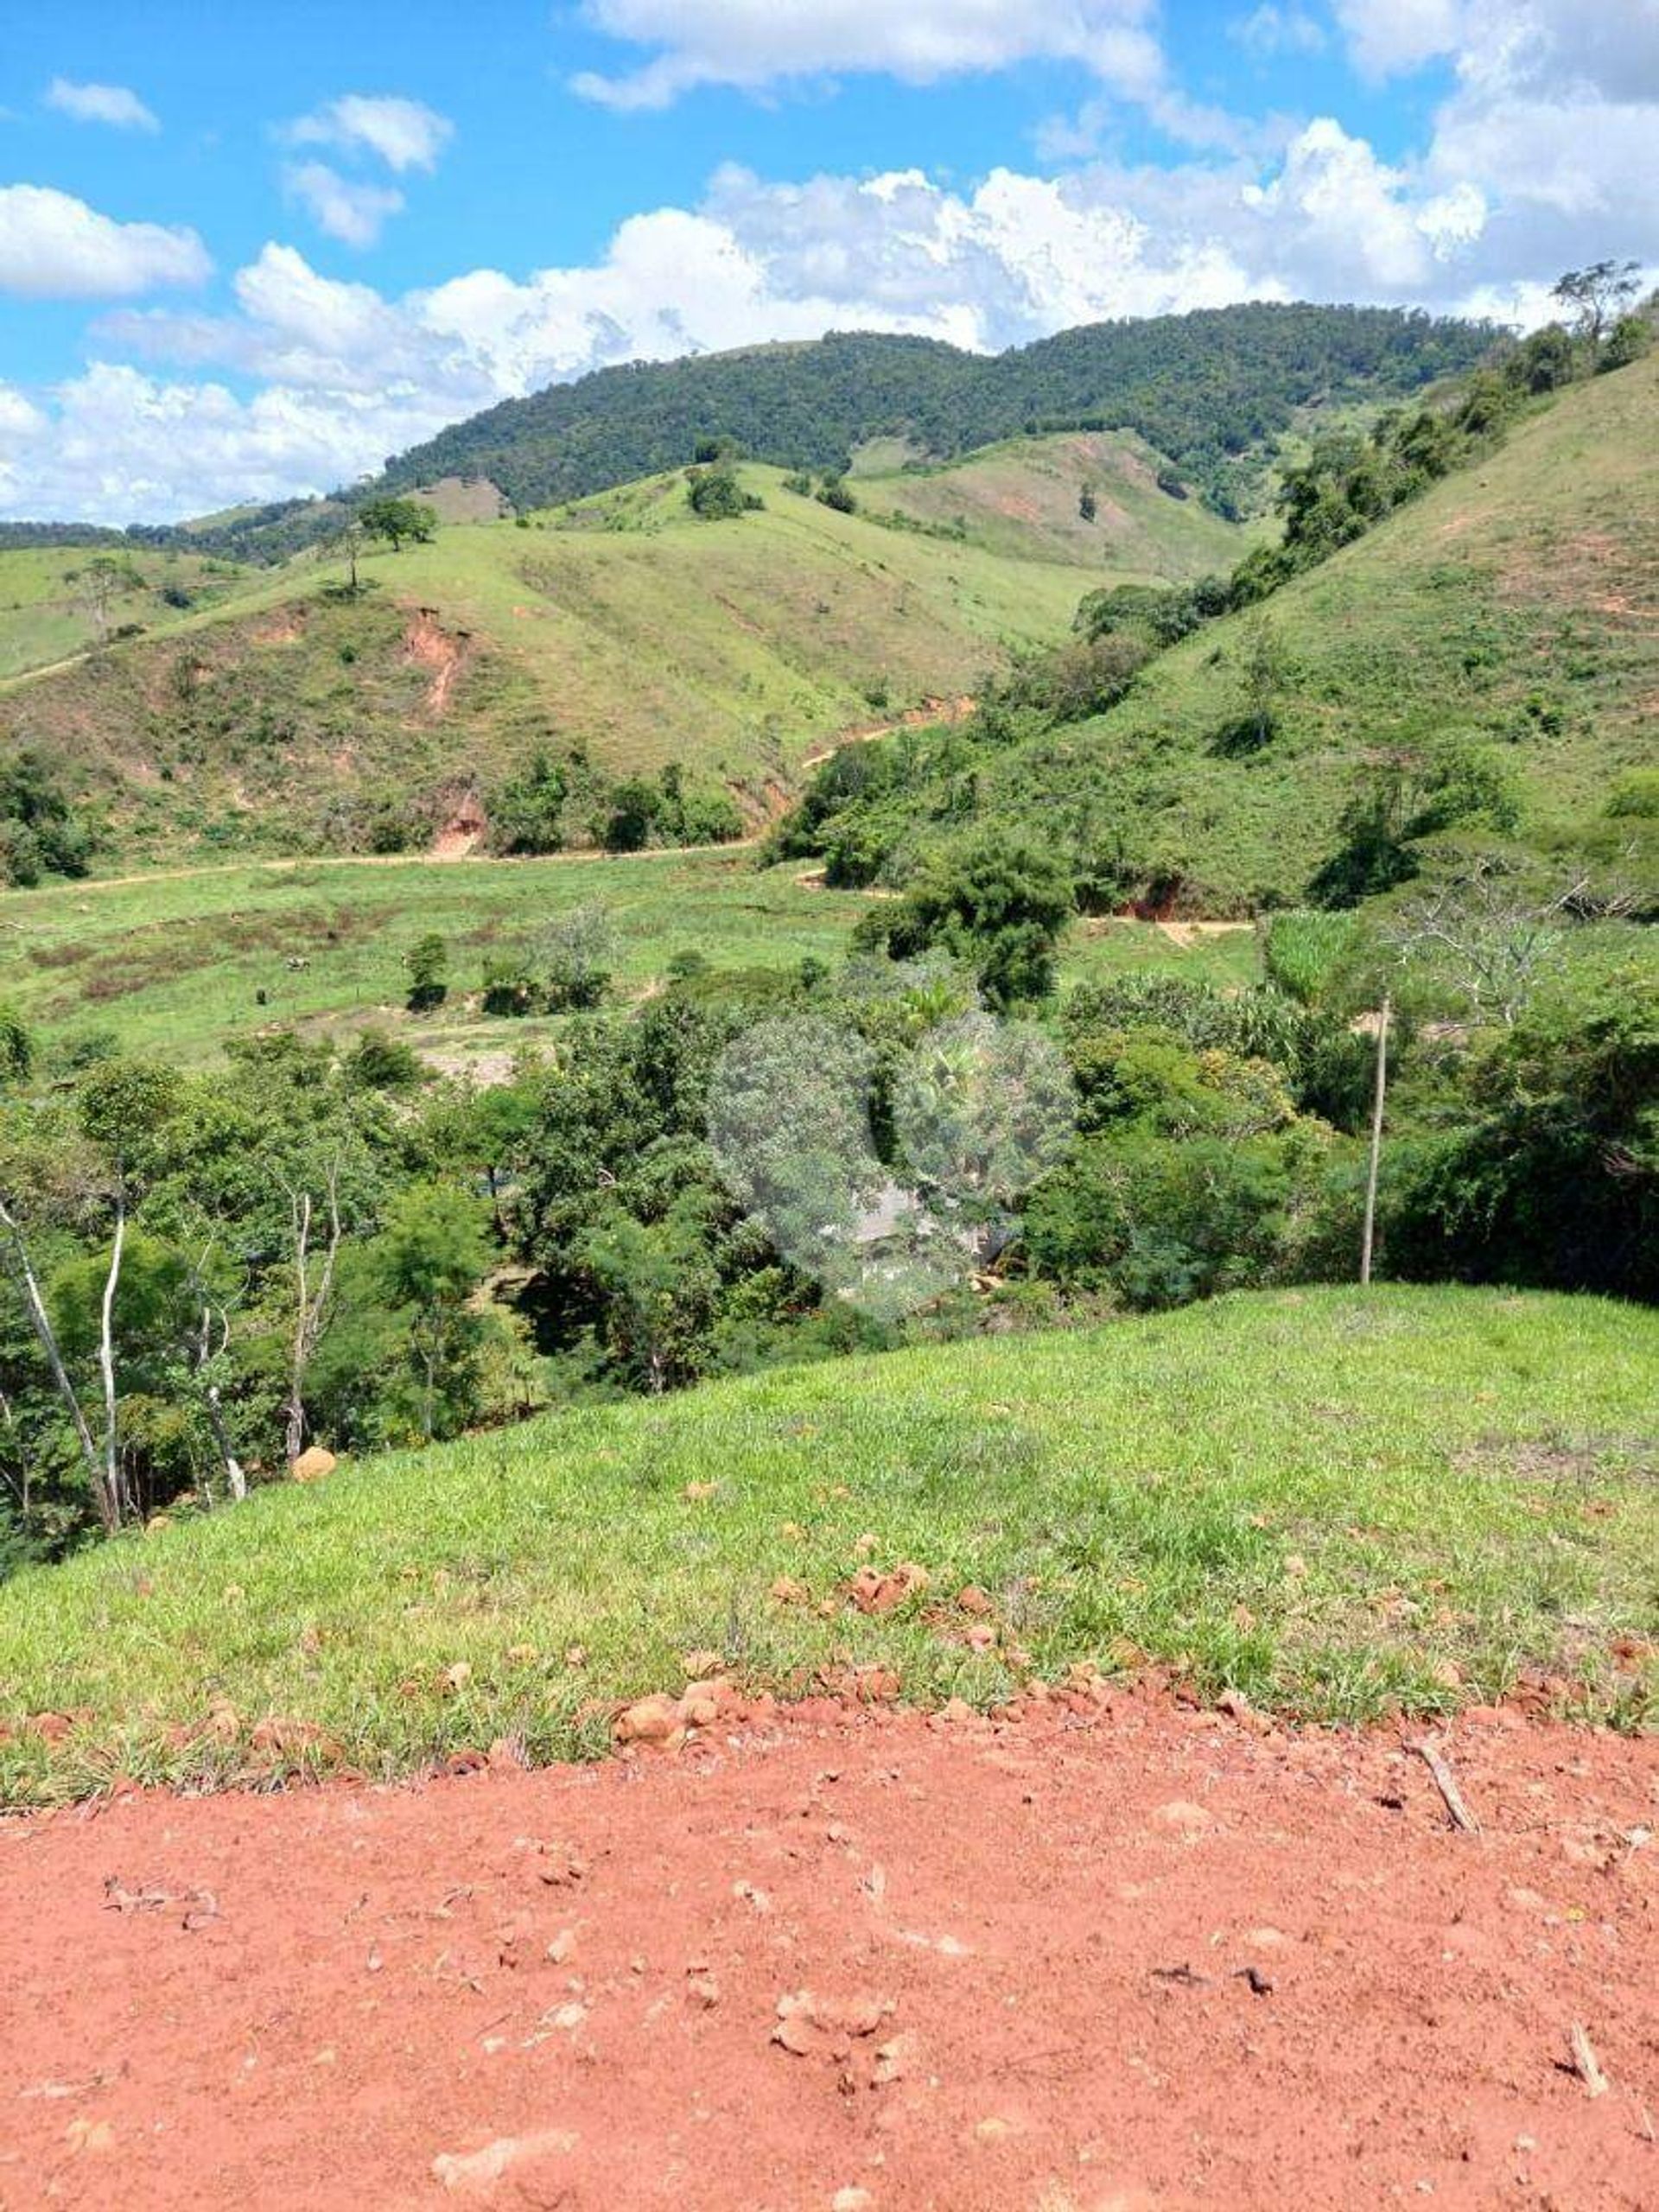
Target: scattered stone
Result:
[[1187, 1820], [656, 1721], [472, 2173], [973, 1599], [561, 1865]]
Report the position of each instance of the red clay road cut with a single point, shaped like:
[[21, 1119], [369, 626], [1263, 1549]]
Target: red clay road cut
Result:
[[1136, 1957]]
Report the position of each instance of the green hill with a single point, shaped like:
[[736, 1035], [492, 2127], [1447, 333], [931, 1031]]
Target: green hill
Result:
[[1211, 390], [274, 713], [1508, 617], [1332, 1502]]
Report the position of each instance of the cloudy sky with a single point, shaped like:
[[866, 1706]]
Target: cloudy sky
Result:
[[241, 262]]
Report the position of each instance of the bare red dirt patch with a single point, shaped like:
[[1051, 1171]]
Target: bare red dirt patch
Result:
[[1136, 1958], [429, 644]]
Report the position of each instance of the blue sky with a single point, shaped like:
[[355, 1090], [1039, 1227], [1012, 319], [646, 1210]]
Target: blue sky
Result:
[[248, 252]]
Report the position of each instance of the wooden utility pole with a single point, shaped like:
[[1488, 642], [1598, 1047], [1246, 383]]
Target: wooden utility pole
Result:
[[1369, 1244]]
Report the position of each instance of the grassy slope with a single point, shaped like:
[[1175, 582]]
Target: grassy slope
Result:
[[1332, 1502], [43, 618], [736, 648], [173, 963], [1537, 573], [1020, 499]]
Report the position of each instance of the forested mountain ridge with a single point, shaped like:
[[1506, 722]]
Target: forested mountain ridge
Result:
[[1204, 388]]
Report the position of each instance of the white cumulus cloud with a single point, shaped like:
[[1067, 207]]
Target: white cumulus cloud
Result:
[[55, 247], [1273, 30], [753, 44], [342, 207], [116, 105], [404, 134]]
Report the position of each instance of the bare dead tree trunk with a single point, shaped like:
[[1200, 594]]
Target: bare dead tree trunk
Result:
[[310, 1307], [108, 1501], [1369, 1245], [235, 1478], [106, 1354], [294, 1437], [235, 1474]]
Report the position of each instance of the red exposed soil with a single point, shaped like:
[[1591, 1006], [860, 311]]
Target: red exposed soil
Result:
[[430, 645], [1127, 1957], [463, 832]]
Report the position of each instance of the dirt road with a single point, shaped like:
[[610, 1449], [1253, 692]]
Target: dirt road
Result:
[[1135, 1958]]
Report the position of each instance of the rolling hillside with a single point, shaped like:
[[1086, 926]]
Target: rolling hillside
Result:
[[1513, 611], [1211, 390], [280, 715]]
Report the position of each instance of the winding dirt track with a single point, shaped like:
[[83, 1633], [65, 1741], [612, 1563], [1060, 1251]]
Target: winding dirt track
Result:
[[1125, 1959]]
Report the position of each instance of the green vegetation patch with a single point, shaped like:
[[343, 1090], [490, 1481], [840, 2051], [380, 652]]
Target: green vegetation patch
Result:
[[1337, 1504]]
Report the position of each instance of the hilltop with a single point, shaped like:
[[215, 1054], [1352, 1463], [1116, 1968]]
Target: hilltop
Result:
[[1211, 390], [267, 710], [1508, 620]]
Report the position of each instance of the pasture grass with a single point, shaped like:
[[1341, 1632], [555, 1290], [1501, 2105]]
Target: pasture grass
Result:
[[174, 963], [1337, 1503]]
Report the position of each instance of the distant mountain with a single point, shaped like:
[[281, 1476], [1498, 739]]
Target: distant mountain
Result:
[[1211, 390]]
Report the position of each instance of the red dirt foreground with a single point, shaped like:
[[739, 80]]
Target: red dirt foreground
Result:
[[1108, 1961]]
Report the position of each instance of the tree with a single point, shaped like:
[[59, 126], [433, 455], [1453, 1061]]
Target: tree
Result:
[[348, 543], [1262, 670], [998, 903], [526, 813], [97, 586], [430, 1258], [313, 1294], [632, 815], [1598, 296], [1629, 340], [396, 519], [575, 953], [717, 492], [428, 963], [1490, 931], [123, 1108], [1088, 500]]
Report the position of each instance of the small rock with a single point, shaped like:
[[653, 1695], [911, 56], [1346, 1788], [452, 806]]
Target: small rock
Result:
[[312, 1465], [973, 1599], [475, 2172], [1187, 1820], [655, 1720]]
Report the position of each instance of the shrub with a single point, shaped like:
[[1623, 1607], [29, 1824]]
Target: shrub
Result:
[[1307, 947], [1636, 796]]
